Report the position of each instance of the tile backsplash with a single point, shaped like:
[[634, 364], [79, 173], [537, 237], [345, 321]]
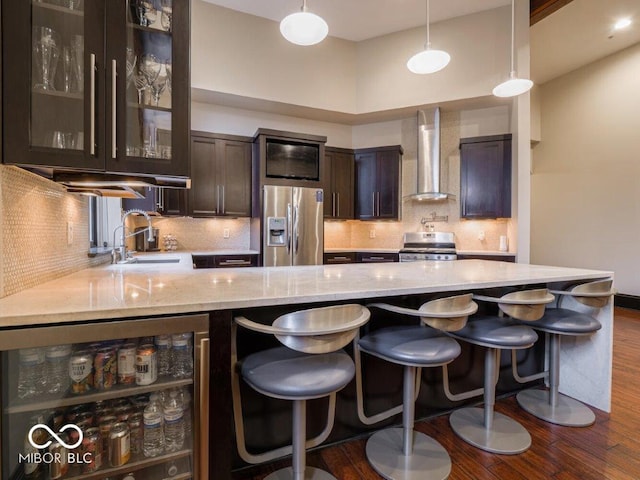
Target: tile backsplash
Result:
[[34, 216]]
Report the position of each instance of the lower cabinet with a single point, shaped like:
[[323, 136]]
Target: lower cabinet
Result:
[[225, 261], [359, 257], [496, 258]]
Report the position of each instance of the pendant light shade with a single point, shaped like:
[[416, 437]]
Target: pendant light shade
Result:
[[428, 60], [514, 86], [304, 28]]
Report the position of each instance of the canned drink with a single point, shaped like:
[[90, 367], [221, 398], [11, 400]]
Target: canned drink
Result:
[[81, 372], [140, 402], [129, 476], [127, 364], [136, 429], [91, 449], [119, 444], [72, 413], [123, 413], [60, 466], [103, 413], [105, 368], [146, 365], [106, 425]]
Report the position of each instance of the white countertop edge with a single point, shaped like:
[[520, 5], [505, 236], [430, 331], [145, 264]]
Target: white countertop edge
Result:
[[166, 305]]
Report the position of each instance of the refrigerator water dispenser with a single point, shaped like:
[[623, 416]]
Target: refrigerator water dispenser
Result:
[[277, 233]]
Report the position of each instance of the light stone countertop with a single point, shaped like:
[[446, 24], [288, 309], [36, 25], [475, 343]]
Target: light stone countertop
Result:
[[117, 291]]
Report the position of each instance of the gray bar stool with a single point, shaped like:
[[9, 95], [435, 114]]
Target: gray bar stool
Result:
[[550, 405], [403, 453], [310, 365], [483, 427]]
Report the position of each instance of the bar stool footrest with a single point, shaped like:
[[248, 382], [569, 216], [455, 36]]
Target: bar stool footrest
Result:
[[310, 473], [428, 461], [506, 437], [568, 412]]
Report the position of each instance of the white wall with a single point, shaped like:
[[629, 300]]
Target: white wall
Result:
[[585, 208], [240, 54]]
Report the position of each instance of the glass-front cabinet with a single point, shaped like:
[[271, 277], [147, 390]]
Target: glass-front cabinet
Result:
[[99, 85], [125, 400]]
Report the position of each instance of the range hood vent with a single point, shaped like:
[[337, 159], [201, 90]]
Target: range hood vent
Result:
[[428, 172]]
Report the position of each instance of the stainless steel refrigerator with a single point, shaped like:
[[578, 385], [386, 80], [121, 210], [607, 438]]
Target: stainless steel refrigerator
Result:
[[293, 226]]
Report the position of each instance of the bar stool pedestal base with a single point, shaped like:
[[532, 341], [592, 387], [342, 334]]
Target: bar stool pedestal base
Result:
[[310, 473], [428, 461], [506, 436], [568, 412]]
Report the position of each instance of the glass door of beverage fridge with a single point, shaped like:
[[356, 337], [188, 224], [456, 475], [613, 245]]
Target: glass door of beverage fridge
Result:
[[118, 400]]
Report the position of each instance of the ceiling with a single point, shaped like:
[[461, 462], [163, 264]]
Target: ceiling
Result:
[[576, 34]]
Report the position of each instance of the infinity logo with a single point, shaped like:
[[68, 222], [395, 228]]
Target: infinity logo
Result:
[[54, 435]]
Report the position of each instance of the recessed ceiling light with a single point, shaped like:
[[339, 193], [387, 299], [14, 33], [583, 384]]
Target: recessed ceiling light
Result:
[[622, 23]]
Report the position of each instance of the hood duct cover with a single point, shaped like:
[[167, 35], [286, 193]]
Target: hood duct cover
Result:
[[428, 172]]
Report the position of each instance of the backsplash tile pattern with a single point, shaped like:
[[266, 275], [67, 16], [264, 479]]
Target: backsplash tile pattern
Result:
[[34, 213]]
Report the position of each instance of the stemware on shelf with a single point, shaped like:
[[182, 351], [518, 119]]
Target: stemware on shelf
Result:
[[131, 64], [46, 52], [159, 84], [166, 7], [67, 69], [145, 12], [150, 68], [77, 53]]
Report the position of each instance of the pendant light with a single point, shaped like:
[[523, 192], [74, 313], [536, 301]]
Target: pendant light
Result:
[[428, 60], [303, 27], [514, 86]]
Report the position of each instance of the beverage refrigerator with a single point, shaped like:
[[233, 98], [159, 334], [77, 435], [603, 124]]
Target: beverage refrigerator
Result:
[[76, 400], [293, 226]]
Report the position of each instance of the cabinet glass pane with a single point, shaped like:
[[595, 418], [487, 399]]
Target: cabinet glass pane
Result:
[[91, 400], [57, 74], [149, 75]]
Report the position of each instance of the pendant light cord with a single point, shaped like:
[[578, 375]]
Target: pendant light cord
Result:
[[513, 35], [428, 44]]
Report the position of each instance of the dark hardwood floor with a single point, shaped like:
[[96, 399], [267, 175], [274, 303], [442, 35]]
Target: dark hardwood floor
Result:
[[607, 450]]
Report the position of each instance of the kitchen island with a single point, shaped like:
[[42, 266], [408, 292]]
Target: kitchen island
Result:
[[155, 290]]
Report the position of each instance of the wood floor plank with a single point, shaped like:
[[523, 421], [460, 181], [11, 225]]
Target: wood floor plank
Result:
[[608, 450]]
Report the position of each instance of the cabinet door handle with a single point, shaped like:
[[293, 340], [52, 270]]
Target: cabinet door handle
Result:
[[114, 106], [203, 407], [378, 194], [333, 204], [373, 204], [92, 104], [224, 210], [217, 209], [235, 262], [337, 204]]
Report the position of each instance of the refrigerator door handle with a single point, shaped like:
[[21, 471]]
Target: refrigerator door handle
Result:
[[295, 229], [204, 406], [288, 232]]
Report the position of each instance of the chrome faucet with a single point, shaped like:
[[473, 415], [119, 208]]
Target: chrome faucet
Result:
[[121, 250]]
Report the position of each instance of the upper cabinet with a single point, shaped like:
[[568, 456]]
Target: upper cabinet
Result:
[[100, 85], [377, 175], [221, 175], [338, 191], [485, 177]]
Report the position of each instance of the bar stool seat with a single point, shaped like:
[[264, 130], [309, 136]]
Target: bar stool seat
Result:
[[483, 427], [310, 365], [549, 405], [283, 373], [403, 453]]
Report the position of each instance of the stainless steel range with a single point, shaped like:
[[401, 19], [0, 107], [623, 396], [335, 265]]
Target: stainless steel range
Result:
[[428, 246]]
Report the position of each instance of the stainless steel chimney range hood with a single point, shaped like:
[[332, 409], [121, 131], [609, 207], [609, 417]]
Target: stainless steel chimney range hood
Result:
[[428, 171]]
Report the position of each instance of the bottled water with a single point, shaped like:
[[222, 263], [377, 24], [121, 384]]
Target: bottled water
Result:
[[173, 422], [31, 372], [185, 397], [163, 354], [182, 355], [153, 442], [57, 368]]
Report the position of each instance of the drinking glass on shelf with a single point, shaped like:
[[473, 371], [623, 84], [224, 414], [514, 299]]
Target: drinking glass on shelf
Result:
[[159, 84], [77, 53], [131, 64], [45, 43], [145, 12], [150, 140], [168, 68], [166, 7], [150, 67], [67, 69], [73, 4]]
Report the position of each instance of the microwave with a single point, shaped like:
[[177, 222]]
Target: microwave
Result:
[[290, 159]]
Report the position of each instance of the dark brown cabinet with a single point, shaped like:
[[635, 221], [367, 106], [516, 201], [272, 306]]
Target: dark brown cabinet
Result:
[[221, 175], [377, 183], [225, 261], [338, 191], [376, 257], [168, 202], [495, 258], [485, 177], [335, 258], [96, 86]]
